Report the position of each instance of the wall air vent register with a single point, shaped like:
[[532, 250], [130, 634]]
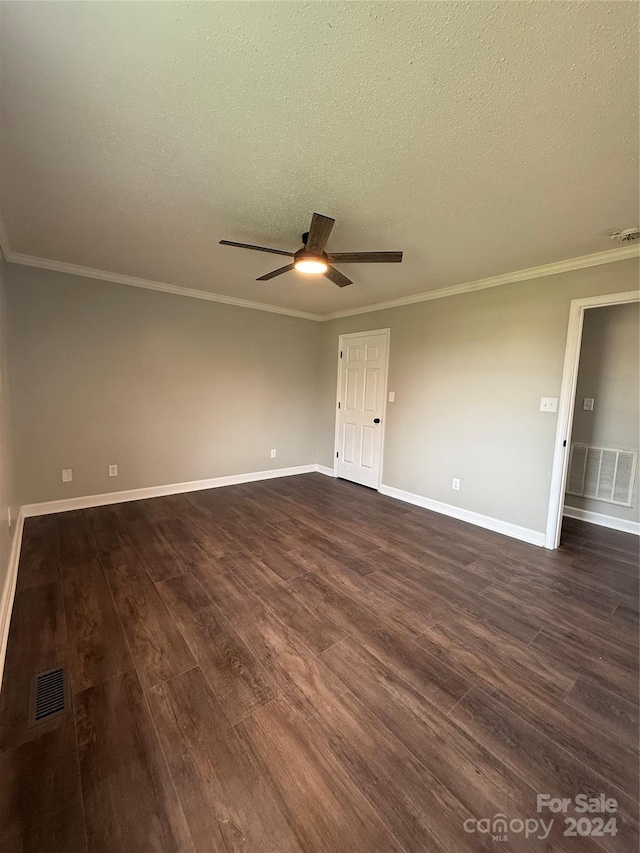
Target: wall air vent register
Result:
[[602, 473]]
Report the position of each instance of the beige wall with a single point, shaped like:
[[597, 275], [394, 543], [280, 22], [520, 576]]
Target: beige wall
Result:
[[7, 496], [468, 372], [174, 389], [169, 388], [610, 373]]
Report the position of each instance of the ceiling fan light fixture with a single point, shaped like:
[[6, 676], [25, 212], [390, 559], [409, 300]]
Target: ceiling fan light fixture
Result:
[[312, 259], [311, 266]]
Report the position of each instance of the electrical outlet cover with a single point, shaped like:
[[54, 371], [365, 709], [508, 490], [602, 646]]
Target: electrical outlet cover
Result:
[[548, 404]]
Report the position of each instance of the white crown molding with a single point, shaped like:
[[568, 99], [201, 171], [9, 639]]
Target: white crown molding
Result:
[[148, 284], [524, 534], [602, 520], [584, 261]]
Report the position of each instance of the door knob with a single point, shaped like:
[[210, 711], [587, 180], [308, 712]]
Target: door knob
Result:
[[376, 420]]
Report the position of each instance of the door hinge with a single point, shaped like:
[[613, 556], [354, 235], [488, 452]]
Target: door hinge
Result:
[[338, 405], [564, 443], [336, 454], [340, 353]]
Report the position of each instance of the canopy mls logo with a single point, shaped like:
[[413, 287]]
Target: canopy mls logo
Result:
[[500, 826]]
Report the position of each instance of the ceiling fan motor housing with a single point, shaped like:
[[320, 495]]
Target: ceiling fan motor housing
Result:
[[303, 254]]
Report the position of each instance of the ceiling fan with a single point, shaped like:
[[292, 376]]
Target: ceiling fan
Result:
[[312, 258]]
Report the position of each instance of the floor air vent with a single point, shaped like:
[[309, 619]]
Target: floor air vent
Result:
[[48, 697]]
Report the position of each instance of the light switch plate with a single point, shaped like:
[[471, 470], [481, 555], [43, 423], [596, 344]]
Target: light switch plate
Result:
[[392, 396], [587, 404], [113, 470], [67, 475], [548, 404]]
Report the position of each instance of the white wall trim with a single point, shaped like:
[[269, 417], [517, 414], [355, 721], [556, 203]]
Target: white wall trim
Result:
[[68, 504], [524, 534], [610, 256], [148, 284], [9, 590], [324, 469], [602, 520], [566, 404]]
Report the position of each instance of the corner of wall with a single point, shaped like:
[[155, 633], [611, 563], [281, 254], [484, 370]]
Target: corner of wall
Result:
[[8, 589], [11, 518]]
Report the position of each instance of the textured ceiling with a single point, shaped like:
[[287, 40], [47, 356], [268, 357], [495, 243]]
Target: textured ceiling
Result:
[[478, 137]]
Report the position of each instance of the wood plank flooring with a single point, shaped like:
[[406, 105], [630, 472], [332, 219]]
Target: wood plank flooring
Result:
[[306, 666]]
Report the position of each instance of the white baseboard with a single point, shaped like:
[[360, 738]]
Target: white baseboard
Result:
[[533, 537], [67, 504], [323, 469], [9, 589], [602, 520]]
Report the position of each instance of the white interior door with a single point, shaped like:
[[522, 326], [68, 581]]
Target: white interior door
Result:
[[362, 390]]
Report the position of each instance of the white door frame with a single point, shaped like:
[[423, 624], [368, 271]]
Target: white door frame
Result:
[[566, 405], [336, 438]]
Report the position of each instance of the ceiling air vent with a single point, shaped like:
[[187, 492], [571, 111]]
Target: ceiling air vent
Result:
[[48, 697], [627, 236]]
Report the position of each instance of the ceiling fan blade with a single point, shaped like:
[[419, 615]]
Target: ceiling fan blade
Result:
[[336, 277], [366, 258], [257, 248], [319, 233], [273, 274]]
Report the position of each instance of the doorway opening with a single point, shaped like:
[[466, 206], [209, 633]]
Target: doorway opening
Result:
[[595, 461], [363, 364]]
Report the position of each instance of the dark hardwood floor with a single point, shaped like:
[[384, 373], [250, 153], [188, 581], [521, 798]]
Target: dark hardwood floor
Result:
[[305, 665]]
